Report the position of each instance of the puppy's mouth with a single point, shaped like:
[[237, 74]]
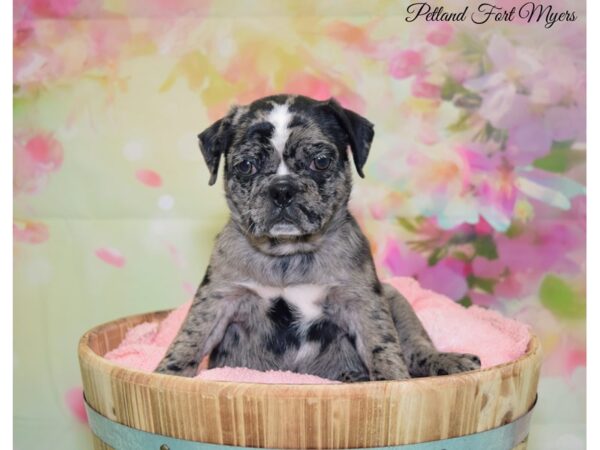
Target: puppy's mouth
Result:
[[284, 225], [283, 229]]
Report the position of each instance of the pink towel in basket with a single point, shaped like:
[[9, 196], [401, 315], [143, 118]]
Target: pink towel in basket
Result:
[[453, 328]]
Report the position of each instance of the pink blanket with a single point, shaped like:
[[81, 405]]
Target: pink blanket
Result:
[[487, 334]]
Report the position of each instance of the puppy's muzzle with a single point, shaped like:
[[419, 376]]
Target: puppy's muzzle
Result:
[[282, 192]]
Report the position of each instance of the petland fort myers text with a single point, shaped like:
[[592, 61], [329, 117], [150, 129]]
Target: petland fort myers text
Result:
[[529, 12]]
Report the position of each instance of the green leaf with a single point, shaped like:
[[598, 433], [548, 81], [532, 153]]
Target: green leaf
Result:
[[561, 299], [437, 255], [465, 301], [562, 145], [557, 160], [468, 100], [471, 43], [462, 124], [21, 105], [461, 238], [515, 229], [407, 224], [462, 256], [451, 87], [485, 284], [448, 89], [486, 247], [489, 131]]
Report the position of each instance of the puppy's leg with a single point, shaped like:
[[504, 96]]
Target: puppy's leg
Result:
[[377, 343], [419, 352], [202, 330], [368, 320]]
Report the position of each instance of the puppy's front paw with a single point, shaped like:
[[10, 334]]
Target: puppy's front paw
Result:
[[449, 363], [353, 376], [392, 373], [171, 368]]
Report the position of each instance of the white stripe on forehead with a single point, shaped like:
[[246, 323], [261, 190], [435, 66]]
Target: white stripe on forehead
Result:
[[280, 117]]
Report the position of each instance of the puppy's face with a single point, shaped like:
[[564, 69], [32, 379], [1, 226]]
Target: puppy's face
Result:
[[286, 162]]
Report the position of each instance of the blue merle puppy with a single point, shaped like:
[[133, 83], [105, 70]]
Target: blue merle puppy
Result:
[[291, 283]]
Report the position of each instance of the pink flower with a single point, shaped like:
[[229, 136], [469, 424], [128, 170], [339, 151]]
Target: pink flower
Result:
[[34, 159], [74, 401], [537, 100], [533, 130], [355, 37], [515, 285], [566, 356], [490, 180], [447, 277], [111, 256], [45, 151], [440, 33], [508, 284], [511, 66], [497, 199], [31, 232], [483, 227], [576, 358], [323, 87], [53, 8], [149, 177], [377, 211], [523, 259], [463, 268], [400, 260], [424, 89], [309, 85], [405, 64], [487, 268], [441, 278]]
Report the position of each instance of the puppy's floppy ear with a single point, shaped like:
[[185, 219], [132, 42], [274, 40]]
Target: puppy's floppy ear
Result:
[[360, 133], [214, 141]]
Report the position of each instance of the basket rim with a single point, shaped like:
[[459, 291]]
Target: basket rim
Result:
[[89, 357]]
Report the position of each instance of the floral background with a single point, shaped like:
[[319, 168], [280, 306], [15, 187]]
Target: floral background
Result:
[[475, 184]]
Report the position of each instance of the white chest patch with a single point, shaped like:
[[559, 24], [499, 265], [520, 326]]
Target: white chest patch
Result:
[[307, 298], [280, 117]]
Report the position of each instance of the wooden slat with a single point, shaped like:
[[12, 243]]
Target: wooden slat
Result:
[[358, 415]]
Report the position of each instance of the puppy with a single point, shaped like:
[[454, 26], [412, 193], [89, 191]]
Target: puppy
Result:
[[291, 283]]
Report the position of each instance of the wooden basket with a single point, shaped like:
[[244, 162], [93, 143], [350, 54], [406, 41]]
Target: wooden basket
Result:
[[359, 415]]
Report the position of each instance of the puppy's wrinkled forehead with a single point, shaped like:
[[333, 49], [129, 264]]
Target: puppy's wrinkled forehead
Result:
[[286, 124]]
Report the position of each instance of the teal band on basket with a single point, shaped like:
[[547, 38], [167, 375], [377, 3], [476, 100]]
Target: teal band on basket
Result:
[[121, 437]]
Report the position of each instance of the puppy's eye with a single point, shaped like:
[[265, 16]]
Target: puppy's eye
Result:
[[245, 168], [321, 162]]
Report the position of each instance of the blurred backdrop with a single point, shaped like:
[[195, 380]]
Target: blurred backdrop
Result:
[[475, 184]]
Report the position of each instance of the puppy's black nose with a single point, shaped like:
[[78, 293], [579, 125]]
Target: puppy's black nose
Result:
[[282, 192]]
